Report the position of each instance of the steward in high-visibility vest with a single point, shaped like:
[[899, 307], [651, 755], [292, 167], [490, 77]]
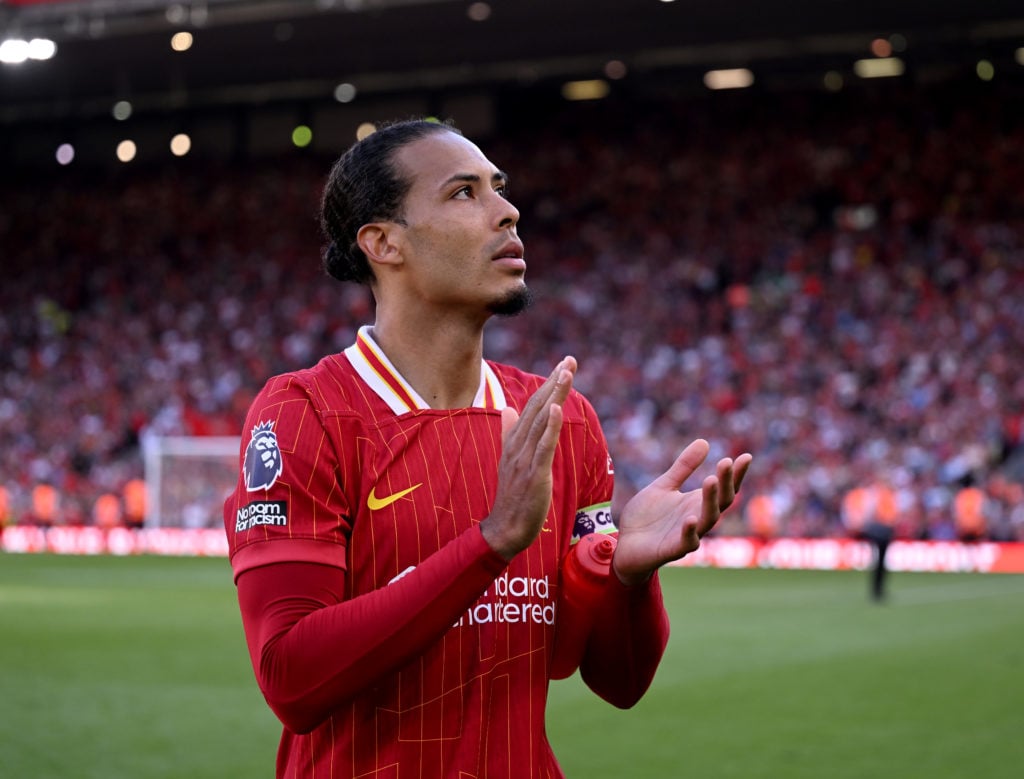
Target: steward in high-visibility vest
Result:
[[969, 513], [45, 504]]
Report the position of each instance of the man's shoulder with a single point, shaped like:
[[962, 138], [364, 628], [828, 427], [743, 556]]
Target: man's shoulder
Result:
[[329, 384]]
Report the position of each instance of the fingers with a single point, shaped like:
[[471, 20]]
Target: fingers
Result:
[[529, 438], [546, 427], [509, 417], [558, 382], [688, 461], [730, 475], [529, 442], [719, 491], [710, 505], [545, 453], [552, 394], [691, 536], [535, 416], [695, 528], [726, 483], [740, 468]]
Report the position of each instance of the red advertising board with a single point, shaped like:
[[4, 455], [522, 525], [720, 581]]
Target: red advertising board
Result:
[[832, 554], [827, 554]]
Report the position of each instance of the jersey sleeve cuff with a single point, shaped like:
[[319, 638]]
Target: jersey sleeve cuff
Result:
[[260, 553], [489, 559], [632, 592]]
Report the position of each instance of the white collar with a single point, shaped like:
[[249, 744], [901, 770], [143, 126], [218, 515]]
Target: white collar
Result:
[[374, 367]]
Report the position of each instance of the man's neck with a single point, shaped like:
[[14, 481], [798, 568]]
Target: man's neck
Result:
[[439, 358]]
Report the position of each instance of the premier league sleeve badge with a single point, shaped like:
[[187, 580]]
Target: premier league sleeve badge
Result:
[[263, 463]]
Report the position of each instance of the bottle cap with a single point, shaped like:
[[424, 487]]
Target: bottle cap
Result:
[[601, 549]]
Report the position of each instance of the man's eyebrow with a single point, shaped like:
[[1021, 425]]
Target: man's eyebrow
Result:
[[499, 177]]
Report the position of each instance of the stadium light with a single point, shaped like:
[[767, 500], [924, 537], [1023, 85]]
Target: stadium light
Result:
[[1019, 55], [591, 89], [176, 13], [181, 41], [479, 12], [880, 47], [15, 51], [181, 144], [126, 151], [615, 69], [883, 67], [41, 49], [733, 78], [122, 110], [986, 70], [65, 154], [302, 136], [345, 93]]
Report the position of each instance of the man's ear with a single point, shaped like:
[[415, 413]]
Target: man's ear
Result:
[[377, 240]]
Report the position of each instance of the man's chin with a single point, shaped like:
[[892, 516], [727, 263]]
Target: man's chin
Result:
[[514, 303]]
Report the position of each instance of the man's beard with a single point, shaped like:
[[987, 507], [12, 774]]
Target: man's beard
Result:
[[514, 303]]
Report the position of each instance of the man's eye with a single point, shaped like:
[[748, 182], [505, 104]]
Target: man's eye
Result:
[[464, 192], [502, 190]]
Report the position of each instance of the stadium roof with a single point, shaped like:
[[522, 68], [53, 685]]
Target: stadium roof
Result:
[[258, 51]]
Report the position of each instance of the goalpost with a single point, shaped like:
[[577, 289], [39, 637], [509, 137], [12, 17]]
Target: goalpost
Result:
[[188, 478]]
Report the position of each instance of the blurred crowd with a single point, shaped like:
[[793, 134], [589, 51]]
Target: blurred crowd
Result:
[[834, 283]]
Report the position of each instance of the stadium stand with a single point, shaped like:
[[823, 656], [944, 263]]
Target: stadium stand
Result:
[[834, 282]]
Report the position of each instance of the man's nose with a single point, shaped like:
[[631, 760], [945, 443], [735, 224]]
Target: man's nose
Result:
[[508, 214]]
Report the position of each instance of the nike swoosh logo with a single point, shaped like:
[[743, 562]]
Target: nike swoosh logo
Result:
[[376, 503]]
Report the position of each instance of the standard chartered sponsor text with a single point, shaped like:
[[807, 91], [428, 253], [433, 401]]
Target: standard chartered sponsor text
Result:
[[531, 602]]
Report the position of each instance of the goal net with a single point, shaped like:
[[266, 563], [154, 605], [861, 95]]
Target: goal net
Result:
[[188, 478]]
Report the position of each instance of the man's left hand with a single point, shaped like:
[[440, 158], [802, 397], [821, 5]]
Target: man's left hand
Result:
[[661, 524]]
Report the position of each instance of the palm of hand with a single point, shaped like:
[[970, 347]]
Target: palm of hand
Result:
[[657, 526], [661, 524]]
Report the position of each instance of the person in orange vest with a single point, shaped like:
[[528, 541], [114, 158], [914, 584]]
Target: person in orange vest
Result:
[[45, 504], [106, 511], [879, 530], [969, 513], [869, 513], [135, 503], [6, 514], [855, 510], [761, 517]]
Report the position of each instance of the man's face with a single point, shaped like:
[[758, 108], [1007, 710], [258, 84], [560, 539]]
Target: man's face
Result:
[[459, 241]]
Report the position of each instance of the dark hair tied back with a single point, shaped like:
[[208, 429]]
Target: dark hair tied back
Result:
[[365, 186]]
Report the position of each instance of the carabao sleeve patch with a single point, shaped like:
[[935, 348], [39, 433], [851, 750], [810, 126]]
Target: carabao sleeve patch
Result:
[[593, 519]]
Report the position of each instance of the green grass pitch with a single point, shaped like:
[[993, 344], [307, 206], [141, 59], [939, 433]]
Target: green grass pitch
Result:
[[137, 668]]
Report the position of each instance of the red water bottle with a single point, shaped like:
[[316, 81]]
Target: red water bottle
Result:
[[585, 570]]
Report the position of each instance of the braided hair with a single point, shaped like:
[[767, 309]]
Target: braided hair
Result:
[[364, 186]]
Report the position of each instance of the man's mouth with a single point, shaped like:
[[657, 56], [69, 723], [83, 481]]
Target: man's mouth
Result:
[[511, 250]]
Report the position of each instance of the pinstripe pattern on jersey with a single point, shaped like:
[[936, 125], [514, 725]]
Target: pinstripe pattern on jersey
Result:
[[472, 705]]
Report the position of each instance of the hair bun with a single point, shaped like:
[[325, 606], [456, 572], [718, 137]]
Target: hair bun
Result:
[[336, 263]]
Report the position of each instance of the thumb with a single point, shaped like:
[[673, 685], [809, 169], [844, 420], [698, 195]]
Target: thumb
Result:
[[686, 463], [509, 417]]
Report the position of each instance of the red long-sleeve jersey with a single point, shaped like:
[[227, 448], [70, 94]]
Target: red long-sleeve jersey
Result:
[[385, 633]]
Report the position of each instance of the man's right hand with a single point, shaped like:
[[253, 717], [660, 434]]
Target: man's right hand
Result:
[[529, 440]]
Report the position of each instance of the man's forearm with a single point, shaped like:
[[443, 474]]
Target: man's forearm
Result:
[[312, 650], [627, 642]]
